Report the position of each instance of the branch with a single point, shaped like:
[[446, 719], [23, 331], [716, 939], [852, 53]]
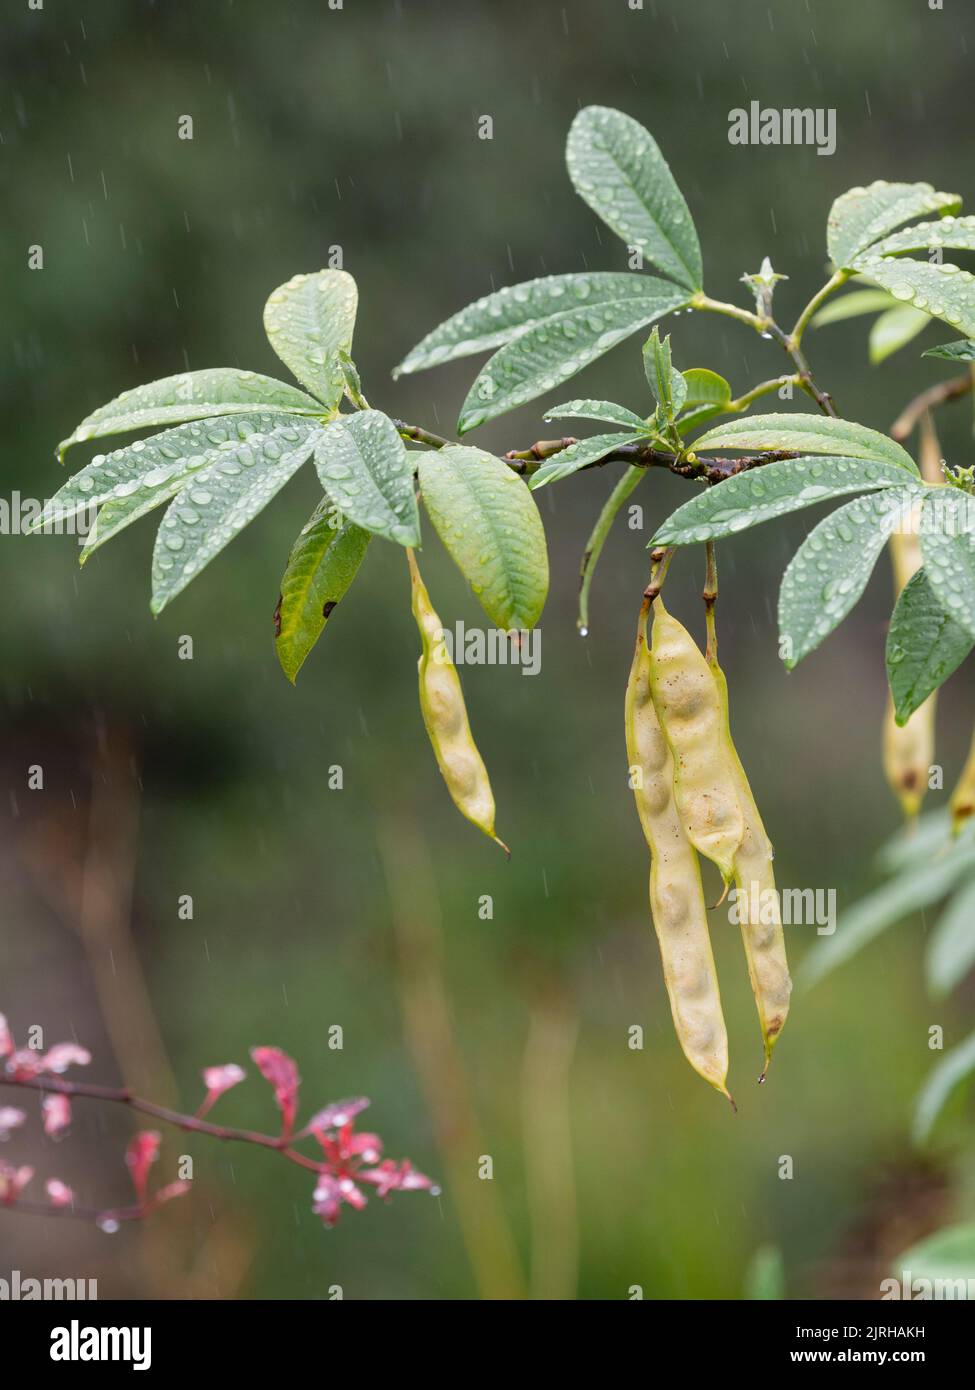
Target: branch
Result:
[[48, 1085], [934, 396]]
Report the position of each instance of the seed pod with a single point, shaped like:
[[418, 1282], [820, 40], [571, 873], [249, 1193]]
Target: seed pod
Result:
[[759, 911], [676, 896], [445, 717], [963, 797], [908, 748], [689, 708]]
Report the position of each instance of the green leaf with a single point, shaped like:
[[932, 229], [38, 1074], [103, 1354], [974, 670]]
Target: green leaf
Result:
[[666, 383], [761, 494], [598, 410], [697, 416], [487, 519], [190, 396], [353, 382], [852, 305], [951, 946], [894, 329], [941, 291], [864, 215], [829, 571], [954, 1067], [953, 233], [924, 646], [916, 843], [309, 321], [919, 886], [616, 167], [948, 547], [705, 387], [765, 1275], [812, 434], [948, 1256], [962, 351], [151, 470], [323, 563], [365, 469], [553, 350], [220, 500], [577, 456], [597, 539], [498, 318]]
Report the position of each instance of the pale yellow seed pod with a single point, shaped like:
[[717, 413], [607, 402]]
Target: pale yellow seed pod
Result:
[[676, 895], [759, 910], [445, 717], [963, 797], [689, 707]]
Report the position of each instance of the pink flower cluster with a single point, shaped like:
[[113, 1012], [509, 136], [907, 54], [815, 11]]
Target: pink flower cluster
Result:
[[349, 1160]]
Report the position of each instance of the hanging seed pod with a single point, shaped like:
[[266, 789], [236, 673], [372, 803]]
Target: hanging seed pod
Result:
[[676, 895], [757, 900], [445, 717], [689, 707]]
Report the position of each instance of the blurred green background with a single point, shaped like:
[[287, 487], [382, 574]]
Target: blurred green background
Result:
[[357, 127]]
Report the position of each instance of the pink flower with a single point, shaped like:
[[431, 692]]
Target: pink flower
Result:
[[141, 1154], [25, 1063], [59, 1193], [281, 1072], [12, 1183], [390, 1176], [329, 1195], [335, 1116], [345, 1153], [56, 1110], [217, 1080], [64, 1055], [10, 1118], [173, 1189]]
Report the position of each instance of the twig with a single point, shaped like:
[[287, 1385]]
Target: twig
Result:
[[944, 391], [54, 1085], [710, 597]]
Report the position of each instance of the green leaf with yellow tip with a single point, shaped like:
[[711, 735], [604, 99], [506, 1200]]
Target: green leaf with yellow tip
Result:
[[309, 322], [489, 522], [324, 561]]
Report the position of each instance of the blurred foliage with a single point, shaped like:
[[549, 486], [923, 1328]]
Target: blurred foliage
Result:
[[356, 127]]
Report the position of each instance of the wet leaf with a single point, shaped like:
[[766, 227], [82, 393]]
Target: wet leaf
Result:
[[813, 434], [548, 353], [190, 396], [220, 500], [761, 494], [324, 561], [487, 519], [309, 321], [367, 472], [924, 646], [578, 455], [862, 216], [616, 167], [829, 571], [948, 547]]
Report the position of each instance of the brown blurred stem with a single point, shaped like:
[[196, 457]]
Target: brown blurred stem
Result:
[[546, 1126], [430, 1036], [940, 394]]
